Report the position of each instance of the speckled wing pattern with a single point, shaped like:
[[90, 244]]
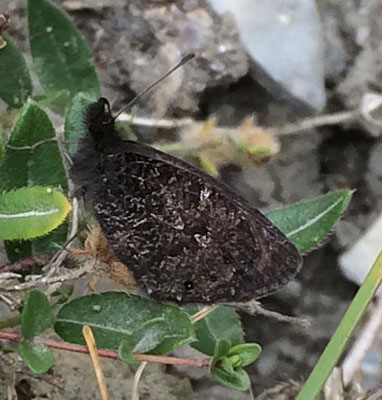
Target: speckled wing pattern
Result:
[[185, 236]]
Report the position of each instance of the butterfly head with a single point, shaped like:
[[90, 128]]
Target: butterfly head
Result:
[[99, 121]]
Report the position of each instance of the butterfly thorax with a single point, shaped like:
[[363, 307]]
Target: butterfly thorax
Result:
[[100, 137]]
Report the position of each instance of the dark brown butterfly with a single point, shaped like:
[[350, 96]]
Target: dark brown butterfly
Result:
[[185, 236]]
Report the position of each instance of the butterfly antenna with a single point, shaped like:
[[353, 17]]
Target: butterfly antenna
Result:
[[183, 61]]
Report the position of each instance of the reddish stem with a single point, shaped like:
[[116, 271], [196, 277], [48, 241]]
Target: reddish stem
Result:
[[27, 263], [60, 345]]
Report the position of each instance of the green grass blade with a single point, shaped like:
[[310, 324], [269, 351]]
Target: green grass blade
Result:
[[343, 333]]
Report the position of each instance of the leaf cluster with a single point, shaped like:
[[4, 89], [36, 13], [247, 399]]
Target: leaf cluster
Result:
[[33, 207]]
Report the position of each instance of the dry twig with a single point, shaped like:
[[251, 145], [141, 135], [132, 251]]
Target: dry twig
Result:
[[91, 345]]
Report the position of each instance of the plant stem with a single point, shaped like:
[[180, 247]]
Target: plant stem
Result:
[[76, 348]]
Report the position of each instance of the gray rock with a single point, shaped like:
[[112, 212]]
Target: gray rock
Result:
[[357, 260], [155, 383], [76, 5], [361, 31], [284, 38]]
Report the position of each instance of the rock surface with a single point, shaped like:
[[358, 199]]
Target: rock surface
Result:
[[284, 37]]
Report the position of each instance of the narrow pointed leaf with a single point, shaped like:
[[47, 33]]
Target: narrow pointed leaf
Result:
[[306, 223], [344, 332], [37, 357], [36, 315], [31, 212], [61, 57], [16, 84], [117, 316]]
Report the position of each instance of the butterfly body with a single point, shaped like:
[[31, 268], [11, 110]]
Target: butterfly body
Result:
[[185, 236]]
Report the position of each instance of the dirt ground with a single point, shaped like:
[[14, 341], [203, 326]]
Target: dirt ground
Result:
[[309, 163]]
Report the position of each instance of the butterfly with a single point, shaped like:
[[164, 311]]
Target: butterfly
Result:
[[185, 236]]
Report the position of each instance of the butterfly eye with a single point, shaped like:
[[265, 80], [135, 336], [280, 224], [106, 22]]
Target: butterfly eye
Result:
[[106, 105]]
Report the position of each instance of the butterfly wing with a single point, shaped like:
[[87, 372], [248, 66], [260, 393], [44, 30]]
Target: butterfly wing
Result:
[[185, 236]]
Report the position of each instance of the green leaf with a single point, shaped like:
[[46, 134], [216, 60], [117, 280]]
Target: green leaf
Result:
[[222, 323], [226, 363], [36, 315], [16, 84], [207, 164], [125, 352], [33, 160], [31, 212], [18, 249], [150, 336], [74, 120], [33, 157], [61, 57], [246, 353], [37, 357], [237, 378], [222, 347], [306, 223], [2, 153], [117, 316], [143, 340], [51, 242], [47, 99]]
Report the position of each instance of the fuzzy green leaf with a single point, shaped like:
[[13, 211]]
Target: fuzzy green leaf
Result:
[[222, 323], [33, 157], [33, 160], [222, 367], [36, 315], [16, 84], [61, 57], [235, 378], [246, 353], [306, 223], [150, 336], [125, 352], [37, 357], [74, 120], [31, 212], [222, 347], [117, 316]]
